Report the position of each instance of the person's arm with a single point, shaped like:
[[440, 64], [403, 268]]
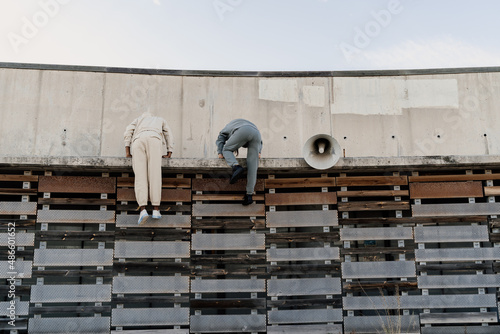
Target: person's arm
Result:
[[167, 133], [127, 152], [221, 141], [127, 137]]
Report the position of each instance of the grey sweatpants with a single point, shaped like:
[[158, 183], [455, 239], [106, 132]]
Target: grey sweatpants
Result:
[[250, 137]]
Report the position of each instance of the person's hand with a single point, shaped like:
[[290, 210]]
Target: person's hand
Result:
[[221, 156], [259, 155], [127, 152], [169, 155], [128, 155]]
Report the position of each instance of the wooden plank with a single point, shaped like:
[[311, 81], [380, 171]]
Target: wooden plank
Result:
[[304, 316], [169, 207], [21, 178], [151, 284], [457, 254], [224, 197], [72, 273], [167, 195], [303, 254], [373, 206], [224, 259], [142, 267], [301, 329], [376, 233], [276, 238], [21, 268], [308, 198], [456, 267], [347, 181], [372, 193], [21, 308], [304, 269], [73, 325], [228, 285], [166, 221], [237, 323], [20, 324], [447, 178], [408, 324], [228, 241], [153, 331], [17, 208], [414, 220], [492, 191], [18, 239], [78, 293], [304, 218], [234, 272], [228, 303], [217, 185], [452, 233], [305, 303], [409, 248], [69, 309], [377, 285], [304, 182], [170, 299], [73, 257], [228, 210], [75, 235], [455, 209], [378, 269], [446, 189], [5, 224], [229, 223], [136, 317], [167, 182], [458, 317], [304, 286], [76, 201], [152, 234], [491, 329], [458, 281], [76, 216], [15, 191], [152, 249], [76, 184]]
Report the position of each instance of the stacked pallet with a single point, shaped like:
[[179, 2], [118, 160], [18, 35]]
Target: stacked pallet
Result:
[[228, 259], [73, 260], [455, 256], [151, 288], [304, 290], [18, 192], [378, 271]]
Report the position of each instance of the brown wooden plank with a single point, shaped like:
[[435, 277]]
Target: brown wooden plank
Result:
[[157, 266], [150, 299], [224, 197], [77, 184], [167, 195], [72, 273], [152, 234], [492, 191], [304, 269], [305, 302], [167, 182], [377, 250], [77, 201], [21, 178], [446, 189], [373, 285], [163, 207], [415, 220], [69, 309], [373, 206], [272, 238], [494, 237], [218, 303], [25, 223], [216, 185], [241, 258], [300, 182], [228, 223], [228, 210], [17, 191], [464, 177], [238, 272], [372, 181], [75, 235], [372, 193], [456, 266], [308, 198]]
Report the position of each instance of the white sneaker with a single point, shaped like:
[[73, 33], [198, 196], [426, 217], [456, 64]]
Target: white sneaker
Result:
[[143, 217], [156, 214]]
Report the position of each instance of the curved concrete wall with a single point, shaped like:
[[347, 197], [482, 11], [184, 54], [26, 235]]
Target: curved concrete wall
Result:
[[82, 113]]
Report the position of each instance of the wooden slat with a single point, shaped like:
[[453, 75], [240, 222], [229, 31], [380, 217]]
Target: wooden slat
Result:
[[305, 269], [456, 267], [305, 182], [69, 309], [22, 178], [152, 234], [151, 284], [229, 223], [458, 318], [76, 184], [457, 254], [216, 185], [19, 239], [73, 257], [377, 285], [372, 181], [275, 238], [464, 177], [141, 267], [75, 235], [224, 197], [304, 316], [151, 298], [492, 191], [241, 258], [228, 210], [378, 269], [78, 293], [301, 329], [150, 316], [408, 324], [153, 331], [17, 208], [305, 302], [467, 233], [301, 198], [76, 216], [376, 233], [229, 323], [372, 193], [72, 273], [303, 286], [151, 249], [228, 303], [133, 206], [458, 281], [303, 254], [304, 218], [167, 195], [414, 220], [15, 191], [166, 182], [166, 221], [95, 325], [21, 308], [76, 201], [455, 209], [227, 241], [228, 285], [474, 329], [371, 251], [446, 189], [373, 206]]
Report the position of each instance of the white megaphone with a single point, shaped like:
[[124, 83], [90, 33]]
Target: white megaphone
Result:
[[321, 151]]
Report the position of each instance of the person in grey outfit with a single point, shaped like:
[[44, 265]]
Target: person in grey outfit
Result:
[[241, 133]]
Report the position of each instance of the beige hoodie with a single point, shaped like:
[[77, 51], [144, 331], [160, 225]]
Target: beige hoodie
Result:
[[148, 122]]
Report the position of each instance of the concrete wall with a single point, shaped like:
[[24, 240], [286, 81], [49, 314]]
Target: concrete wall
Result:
[[82, 113]]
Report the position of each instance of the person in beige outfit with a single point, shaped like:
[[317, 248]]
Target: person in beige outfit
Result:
[[147, 139]]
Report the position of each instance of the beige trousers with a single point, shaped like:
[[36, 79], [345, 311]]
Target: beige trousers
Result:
[[146, 163]]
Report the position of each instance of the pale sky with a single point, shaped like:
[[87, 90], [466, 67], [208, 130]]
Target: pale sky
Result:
[[252, 35]]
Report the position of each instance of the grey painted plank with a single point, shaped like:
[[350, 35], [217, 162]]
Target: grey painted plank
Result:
[[154, 331], [76, 216], [461, 329], [457, 254], [90, 325], [376, 233], [18, 208], [458, 281], [21, 308], [418, 302], [22, 269], [228, 241], [408, 324], [152, 249], [451, 233], [302, 218], [228, 323], [150, 316], [303, 254], [151, 284], [164, 221], [309, 329], [304, 316], [74, 293], [458, 318], [73, 257], [228, 210], [228, 285], [19, 239], [379, 269], [304, 286], [455, 209]]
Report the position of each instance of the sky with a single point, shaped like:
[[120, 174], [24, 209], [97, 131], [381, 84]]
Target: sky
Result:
[[252, 35]]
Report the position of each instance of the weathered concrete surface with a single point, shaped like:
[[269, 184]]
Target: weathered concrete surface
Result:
[[72, 113]]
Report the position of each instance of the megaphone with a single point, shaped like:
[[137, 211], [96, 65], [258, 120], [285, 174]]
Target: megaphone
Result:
[[321, 151]]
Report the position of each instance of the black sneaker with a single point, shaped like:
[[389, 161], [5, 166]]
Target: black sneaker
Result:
[[237, 174], [247, 200]]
